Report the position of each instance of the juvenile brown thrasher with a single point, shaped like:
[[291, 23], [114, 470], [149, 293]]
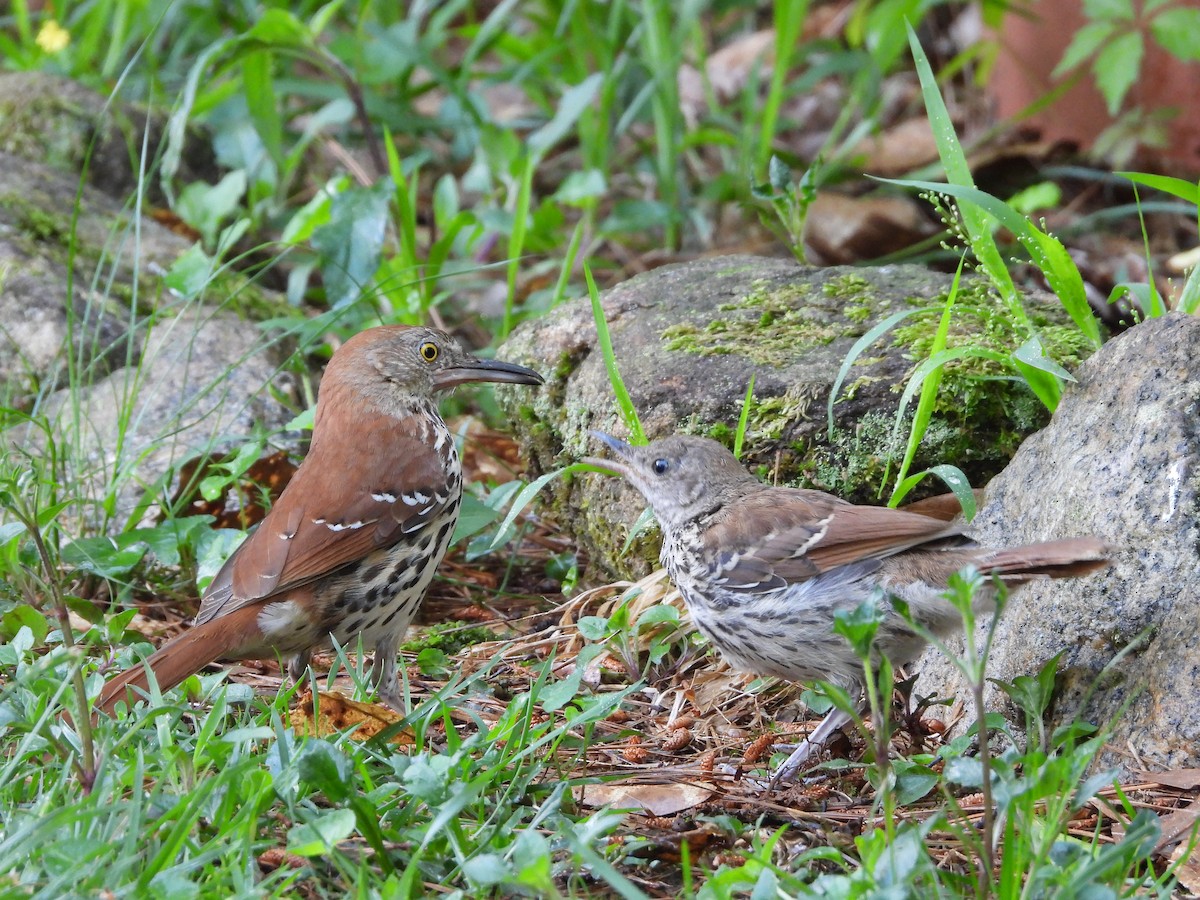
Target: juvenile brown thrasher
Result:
[[763, 569]]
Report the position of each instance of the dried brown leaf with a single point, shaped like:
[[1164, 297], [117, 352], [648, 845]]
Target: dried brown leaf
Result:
[[656, 799], [338, 713]]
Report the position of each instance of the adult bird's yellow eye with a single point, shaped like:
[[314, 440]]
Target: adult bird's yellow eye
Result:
[[429, 351]]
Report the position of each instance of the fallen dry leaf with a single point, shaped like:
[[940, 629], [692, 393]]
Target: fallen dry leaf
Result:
[[841, 229], [900, 149], [1188, 871], [1184, 779], [338, 713], [656, 799], [275, 857], [1178, 825]]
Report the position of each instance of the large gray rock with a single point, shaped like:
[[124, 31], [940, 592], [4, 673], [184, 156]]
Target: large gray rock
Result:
[[71, 252], [202, 385], [1120, 460], [65, 125], [689, 337], [127, 378], [57, 302]]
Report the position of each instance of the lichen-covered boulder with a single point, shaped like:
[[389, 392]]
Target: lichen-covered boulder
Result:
[[688, 338], [1120, 460], [121, 371]]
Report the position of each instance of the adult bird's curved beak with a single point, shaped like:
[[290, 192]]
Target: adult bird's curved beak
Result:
[[485, 370]]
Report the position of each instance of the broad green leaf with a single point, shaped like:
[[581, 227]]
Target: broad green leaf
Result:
[[9, 530], [554, 695], [1116, 68], [574, 101], [312, 215], [1087, 40], [190, 274], [952, 476], [445, 200], [205, 207], [964, 770], [1108, 9], [351, 244], [1178, 31], [1032, 353], [1043, 195], [527, 493], [913, 781], [165, 538], [884, 29], [594, 628], [321, 835], [213, 486], [326, 768], [304, 421], [659, 614], [1044, 385], [323, 16], [580, 187], [22, 616], [473, 516], [213, 547], [104, 556], [280, 28], [262, 103], [486, 869]]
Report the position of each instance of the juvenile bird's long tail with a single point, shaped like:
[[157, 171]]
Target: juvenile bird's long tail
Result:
[[1067, 558]]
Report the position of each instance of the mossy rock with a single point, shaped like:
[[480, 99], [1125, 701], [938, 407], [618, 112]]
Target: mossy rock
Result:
[[688, 338], [63, 124]]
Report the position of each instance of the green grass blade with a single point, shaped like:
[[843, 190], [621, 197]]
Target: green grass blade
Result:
[[624, 402], [789, 18], [528, 492], [743, 418], [1177, 187], [958, 172], [876, 331], [952, 476], [929, 389], [1047, 252]]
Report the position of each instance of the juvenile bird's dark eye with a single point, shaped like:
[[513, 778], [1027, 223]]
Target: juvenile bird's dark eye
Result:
[[661, 466], [429, 351]]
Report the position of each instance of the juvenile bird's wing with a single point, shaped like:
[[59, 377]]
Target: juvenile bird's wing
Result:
[[810, 532], [394, 485]]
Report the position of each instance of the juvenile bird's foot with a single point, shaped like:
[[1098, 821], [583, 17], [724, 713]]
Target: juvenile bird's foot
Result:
[[810, 747]]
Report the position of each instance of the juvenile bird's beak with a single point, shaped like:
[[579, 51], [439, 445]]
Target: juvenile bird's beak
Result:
[[484, 370], [623, 451]]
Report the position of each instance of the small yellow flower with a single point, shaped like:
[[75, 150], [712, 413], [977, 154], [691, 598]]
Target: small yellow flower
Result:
[[53, 38]]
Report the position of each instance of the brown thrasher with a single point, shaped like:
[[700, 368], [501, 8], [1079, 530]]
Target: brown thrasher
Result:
[[352, 542], [763, 569]]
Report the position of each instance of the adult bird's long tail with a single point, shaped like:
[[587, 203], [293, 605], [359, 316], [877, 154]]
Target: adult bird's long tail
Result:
[[185, 655]]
